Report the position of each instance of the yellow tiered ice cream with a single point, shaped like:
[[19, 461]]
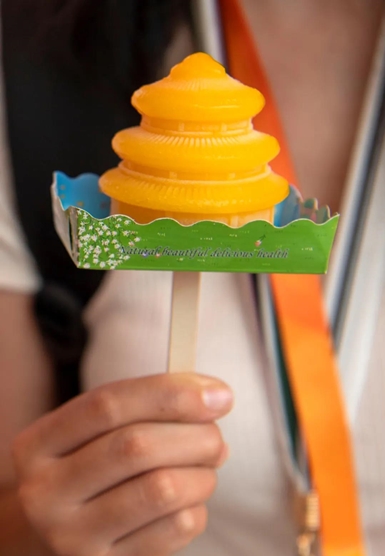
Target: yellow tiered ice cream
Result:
[[195, 155]]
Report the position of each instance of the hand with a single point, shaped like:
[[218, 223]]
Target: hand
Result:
[[125, 469]]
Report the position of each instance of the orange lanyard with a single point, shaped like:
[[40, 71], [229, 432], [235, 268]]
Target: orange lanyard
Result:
[[306, 340]]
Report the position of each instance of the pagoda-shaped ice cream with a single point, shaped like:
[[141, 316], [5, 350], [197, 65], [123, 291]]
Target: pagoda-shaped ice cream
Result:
[[195, 155]]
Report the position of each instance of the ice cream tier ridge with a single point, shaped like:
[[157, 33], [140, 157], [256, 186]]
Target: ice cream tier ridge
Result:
[[195, 155]]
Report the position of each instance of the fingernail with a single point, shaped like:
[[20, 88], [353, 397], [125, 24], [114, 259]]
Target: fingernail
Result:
[[218, 400]]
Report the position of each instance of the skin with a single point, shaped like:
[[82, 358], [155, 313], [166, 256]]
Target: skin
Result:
[[25, 395], [133, 479], [317, 56]]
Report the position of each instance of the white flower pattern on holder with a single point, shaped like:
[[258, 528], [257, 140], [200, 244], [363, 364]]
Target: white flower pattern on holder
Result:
[[102, 248]]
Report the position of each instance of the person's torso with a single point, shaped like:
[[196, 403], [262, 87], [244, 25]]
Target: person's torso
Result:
[[129, 317]]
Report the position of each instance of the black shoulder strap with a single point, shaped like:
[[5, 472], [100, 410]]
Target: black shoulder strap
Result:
[[68, 84]]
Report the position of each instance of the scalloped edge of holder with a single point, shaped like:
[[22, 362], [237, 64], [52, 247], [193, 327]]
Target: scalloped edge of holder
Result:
[[301, 246]]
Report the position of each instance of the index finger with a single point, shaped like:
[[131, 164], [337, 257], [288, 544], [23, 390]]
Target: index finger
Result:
[[181, 397]]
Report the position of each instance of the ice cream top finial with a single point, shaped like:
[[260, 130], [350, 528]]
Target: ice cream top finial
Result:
[[201, 91], [198, 65]]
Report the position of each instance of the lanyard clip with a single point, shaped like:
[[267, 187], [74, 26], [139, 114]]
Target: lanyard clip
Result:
[[307, 540], [306, 543]]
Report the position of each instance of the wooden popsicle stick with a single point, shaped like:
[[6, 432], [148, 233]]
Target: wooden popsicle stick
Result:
[[184, 322]]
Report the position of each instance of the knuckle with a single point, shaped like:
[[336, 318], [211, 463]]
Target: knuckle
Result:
[[19, 452], [61, 530], [161, 488], [64, 540], [104, 408], [134, 444], [33, 499], [17, 449], [175, 399], [184, 523], [191, 522], [27, 495], [183, 399], [60, 542]]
